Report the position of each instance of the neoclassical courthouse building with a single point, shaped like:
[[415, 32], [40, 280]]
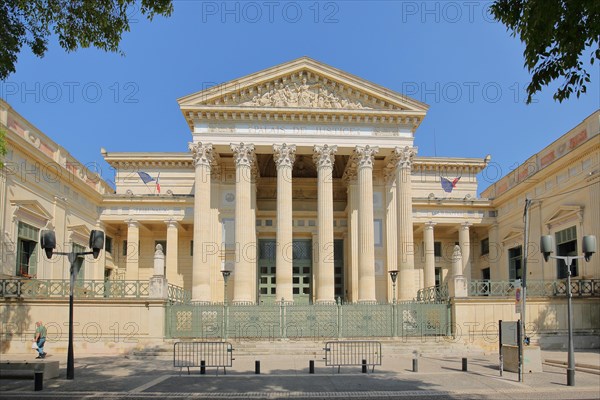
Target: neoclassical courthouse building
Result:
[[304, 182]]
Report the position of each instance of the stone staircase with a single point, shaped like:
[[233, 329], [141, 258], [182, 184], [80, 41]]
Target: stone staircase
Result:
[[311, 348]]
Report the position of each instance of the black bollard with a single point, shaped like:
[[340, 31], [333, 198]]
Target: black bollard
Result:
[[202, 367], [38, 381], [415, 365], [464, 363], [311, 367], [257, 367], [364, 366]]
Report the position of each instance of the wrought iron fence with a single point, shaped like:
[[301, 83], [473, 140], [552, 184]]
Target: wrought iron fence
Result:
[[177, 294], [292, 321], [433, 294], [60, 288], [580, 287]]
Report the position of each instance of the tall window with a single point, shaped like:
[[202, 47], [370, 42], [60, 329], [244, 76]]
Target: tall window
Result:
[[108, 245], [437, 249], [79, 263], [515, 263], [485, 246], [566, 245], [438, 276], [27, 250], [378, 232]]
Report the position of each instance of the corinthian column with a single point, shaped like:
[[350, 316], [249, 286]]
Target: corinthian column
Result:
[[406, 258], [284, 157], [203, 159], [363, 157], [324, 157], [429, 275], [245, 262]]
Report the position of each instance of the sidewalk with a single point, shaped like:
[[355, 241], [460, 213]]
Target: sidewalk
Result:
[[288, 377]]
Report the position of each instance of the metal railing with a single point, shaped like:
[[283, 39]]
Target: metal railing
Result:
[[433, 294], [177, 294], [203, 355], [580, 287], [352, 353], [59, 288]]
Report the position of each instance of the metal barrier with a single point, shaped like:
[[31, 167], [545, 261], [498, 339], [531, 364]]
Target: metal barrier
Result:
[[352, 353], [202, 354]]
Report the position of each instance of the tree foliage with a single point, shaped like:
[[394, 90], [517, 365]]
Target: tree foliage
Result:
[[76, 23], [556, 34]]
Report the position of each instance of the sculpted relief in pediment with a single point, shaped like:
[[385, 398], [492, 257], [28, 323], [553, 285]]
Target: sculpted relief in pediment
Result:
[[304, 94]]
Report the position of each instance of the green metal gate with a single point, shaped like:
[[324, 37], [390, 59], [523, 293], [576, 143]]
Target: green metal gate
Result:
[[322, 321]]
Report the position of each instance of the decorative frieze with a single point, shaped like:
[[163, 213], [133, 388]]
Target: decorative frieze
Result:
[[304, 94]]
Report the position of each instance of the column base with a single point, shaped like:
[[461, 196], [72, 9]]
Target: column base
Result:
[[243, 303], [367, 302], [325, 302]]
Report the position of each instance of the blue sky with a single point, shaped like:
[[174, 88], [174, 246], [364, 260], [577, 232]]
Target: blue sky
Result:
[[448, 54]]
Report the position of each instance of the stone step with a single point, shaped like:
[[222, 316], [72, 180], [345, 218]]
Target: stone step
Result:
[[315, 349]]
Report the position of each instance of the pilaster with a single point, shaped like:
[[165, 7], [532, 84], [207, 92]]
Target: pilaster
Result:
[[133, 250]]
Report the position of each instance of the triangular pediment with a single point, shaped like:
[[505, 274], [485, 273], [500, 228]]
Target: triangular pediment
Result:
[[512, 235], [563, 213], [79, 233], [32, 207], [303, 84]]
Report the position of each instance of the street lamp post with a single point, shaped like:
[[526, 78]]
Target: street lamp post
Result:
[[394, 276], [226, 274], [589, 248], [48, 243]]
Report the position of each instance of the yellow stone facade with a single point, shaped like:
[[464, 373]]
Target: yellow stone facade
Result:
[[303, 181]]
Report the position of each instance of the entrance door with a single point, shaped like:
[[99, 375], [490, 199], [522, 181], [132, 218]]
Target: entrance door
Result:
[[302, 271], [266, 271]]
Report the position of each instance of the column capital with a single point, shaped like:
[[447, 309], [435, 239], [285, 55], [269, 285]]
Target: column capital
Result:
[[284, 155], [202, 153], [465, 225], [403, 157], [364, 156], [132, 223], [430, 225], [171, 223], [243, 154], [324, 155]]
